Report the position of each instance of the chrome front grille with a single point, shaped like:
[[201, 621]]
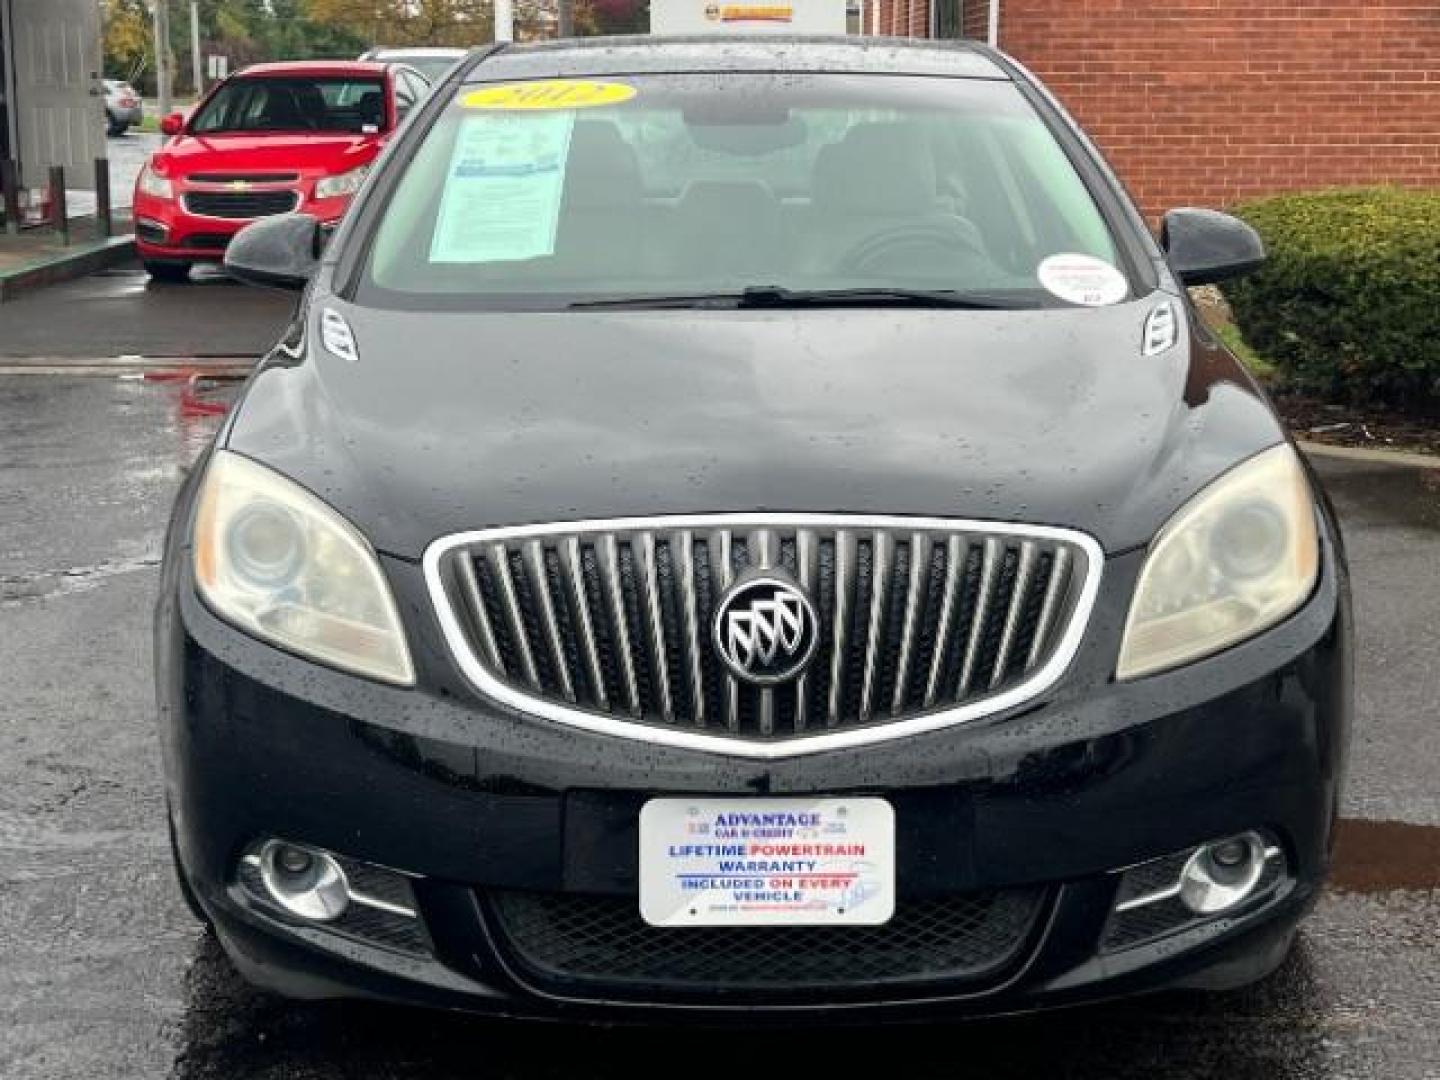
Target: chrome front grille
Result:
[[609, 625]]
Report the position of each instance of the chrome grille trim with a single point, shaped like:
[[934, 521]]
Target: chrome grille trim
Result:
[[806, 552], [957, 554], [659, 655], [539, 573], [611, 559], [1051, 606], [983, 562], [1023, 574], [844, 589], [988, 566], [500, 562], [570, 557], [880, 561], [919, 561], [482, 618], [688, 603]]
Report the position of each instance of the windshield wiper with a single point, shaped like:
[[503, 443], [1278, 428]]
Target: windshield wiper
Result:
[[776, 296], [692, 300]]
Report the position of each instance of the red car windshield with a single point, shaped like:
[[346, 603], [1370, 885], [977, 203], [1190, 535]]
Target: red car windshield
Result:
[[291, 104]]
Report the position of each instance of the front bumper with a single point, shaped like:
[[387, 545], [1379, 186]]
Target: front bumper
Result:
[[166, 232], [479, 802]]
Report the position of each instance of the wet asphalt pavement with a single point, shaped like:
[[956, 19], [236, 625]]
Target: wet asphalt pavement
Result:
[[104, 974], [122, 312]]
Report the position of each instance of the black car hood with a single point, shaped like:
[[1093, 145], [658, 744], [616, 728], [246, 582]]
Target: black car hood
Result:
[[455, 421]]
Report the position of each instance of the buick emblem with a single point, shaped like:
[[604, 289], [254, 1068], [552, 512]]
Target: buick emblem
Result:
[[766, 630]]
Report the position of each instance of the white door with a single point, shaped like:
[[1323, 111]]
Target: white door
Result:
[[59, 106]]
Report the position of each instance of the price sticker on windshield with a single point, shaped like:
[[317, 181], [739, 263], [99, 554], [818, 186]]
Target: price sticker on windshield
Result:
[[1083, 280], [548, 94]]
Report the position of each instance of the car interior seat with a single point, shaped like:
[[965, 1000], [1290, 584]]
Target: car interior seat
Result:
[[732, 227], [371, 107], [601, 212], [879, 179]]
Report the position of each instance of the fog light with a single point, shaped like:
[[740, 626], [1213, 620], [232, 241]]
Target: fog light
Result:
[[1223, 873], [305, 882]]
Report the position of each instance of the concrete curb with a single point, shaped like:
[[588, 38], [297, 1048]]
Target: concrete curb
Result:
[[64, 267], [1405, 458]]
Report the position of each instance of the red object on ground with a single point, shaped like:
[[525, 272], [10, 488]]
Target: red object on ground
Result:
[[263, 149]]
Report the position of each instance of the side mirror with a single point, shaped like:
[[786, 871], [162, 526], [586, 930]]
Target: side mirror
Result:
[[172, 125], [278, 252], [1206, 246]]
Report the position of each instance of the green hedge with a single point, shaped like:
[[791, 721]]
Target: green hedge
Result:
[[1348, 303]]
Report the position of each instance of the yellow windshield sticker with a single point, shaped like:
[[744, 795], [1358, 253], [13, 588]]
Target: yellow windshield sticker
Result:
[[548, 94], [750, 12]]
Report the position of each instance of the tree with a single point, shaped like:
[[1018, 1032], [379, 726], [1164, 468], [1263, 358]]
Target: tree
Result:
[[126, 35], [597, 17], [408, 22], [252, 31]]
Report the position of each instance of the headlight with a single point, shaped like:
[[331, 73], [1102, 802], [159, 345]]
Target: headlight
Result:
[[153, 184], [1237, 558], [280, 564], [332, 187]]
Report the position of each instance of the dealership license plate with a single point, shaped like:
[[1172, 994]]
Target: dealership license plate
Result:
[[767, 862]]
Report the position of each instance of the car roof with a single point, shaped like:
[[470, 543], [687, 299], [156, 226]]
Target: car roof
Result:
[[738, 53], [315, 67], [391, 51]]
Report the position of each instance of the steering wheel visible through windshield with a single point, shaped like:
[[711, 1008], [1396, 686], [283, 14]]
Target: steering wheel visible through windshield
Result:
[[669, 188]]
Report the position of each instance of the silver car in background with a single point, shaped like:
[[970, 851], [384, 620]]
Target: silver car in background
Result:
[[433, 63], [123, 108]]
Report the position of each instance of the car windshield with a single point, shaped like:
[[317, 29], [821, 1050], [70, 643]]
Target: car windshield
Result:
[[322, 104], [765, 189]]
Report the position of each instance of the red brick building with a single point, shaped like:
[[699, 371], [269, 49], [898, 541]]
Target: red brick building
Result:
[[1207, 102]]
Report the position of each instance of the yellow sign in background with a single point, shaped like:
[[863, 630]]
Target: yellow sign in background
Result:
[[548, 94]]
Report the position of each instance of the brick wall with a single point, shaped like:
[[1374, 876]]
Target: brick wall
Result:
[[899, 18], [1207, 102], [975, 18]]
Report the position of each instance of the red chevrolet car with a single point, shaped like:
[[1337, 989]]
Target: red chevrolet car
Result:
[[271, 139]]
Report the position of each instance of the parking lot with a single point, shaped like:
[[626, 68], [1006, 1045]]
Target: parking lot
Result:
[[105, 974]]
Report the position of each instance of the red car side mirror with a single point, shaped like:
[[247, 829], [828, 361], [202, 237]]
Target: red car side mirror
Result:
[[172, 125]]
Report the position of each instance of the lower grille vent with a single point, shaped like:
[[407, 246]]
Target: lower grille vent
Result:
[[566, 940]]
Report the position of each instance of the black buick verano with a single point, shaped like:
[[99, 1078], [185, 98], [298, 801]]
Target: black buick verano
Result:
[[750, 527]]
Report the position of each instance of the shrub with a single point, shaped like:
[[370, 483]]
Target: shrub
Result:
[[1348, 303]]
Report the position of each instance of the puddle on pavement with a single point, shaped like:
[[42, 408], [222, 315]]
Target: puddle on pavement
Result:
[[1385, 856], [200, 400]]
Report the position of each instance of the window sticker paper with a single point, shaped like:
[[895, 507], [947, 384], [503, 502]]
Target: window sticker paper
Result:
[[504, 188]]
